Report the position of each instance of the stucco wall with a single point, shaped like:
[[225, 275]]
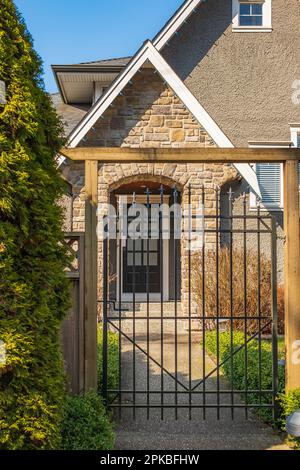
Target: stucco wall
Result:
[[244, 80]]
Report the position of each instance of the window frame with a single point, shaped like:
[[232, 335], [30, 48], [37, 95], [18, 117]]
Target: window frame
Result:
[[251, 14], [253, 197], [266, 26]]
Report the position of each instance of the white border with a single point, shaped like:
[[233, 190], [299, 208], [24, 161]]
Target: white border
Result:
[[267, 18]]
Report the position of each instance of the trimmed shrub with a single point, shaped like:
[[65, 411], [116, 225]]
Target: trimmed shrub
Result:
[[86, 425], [34, 291], [224, 296], [238, 377], [112, 360], [289, 402]]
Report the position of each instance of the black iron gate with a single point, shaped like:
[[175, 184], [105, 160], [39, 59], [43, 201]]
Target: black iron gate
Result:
[[208, 342]]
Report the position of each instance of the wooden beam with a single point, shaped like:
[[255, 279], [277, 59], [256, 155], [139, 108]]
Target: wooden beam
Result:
[[292, 274], [182, 155], [91, 250]]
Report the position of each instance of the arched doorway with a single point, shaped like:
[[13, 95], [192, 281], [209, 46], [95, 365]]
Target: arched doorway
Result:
[[143, 266]]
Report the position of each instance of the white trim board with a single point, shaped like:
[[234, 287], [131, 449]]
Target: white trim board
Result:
[[175, 23], [149, 52]]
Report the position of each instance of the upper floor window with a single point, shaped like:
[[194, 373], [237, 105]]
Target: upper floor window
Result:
[[251, 14], [255, 16]]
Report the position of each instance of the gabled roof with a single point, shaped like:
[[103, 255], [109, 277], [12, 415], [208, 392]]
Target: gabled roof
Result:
[[149, 53], [172, 26], [119, 62]]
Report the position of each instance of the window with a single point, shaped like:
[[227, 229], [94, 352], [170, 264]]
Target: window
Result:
[[255, 16], [270, 180], [269, 176], [251, 14]]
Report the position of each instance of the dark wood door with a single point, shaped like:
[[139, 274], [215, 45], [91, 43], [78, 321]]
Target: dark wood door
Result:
[[141, 258]]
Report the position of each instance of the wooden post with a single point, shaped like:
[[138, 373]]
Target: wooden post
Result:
[[91, 250], [292, 274]]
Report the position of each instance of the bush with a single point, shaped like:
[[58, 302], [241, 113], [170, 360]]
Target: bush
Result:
[[289, 402], [112, 360], [34, 291], [238, 376], [86, 425], [238, 306]]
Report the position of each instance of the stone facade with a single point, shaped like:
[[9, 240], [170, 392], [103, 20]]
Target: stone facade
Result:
[[148, 114]]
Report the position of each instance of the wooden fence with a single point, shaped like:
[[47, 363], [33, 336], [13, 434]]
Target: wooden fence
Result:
[[73, 326]]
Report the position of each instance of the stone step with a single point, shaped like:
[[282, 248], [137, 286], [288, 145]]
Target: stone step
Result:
[[140, 326], [154, 307]]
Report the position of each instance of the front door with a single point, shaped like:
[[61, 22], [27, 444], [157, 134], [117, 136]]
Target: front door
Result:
[[141, 266]]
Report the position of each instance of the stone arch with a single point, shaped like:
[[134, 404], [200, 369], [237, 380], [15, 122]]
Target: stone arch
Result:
[[145, 177]]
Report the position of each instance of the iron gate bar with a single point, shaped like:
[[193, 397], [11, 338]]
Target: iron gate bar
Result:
[[225, 406], [245, 301], [234, 353], [150, 357], [203, 314], [175, 194], [259, 301], [162, 301], [148, 311], [133, 321], [217, 302], [120, 306], [190, 300], [192, 318], [105, 323], [193, 392], [230, 200]]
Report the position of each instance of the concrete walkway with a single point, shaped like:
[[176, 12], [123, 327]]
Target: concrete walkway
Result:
[[183, 433]]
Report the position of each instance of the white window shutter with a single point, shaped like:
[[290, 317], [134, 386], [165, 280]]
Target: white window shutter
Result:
[[269, 180]]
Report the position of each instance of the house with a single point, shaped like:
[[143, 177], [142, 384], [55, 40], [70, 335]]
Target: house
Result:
[[221, 73]]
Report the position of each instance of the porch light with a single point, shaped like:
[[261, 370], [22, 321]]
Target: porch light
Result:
[[293, 424]]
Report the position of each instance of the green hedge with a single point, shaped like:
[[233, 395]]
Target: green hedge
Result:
[[86, 425], [112, 360], [289, 402], [238, 377], [34, 291]]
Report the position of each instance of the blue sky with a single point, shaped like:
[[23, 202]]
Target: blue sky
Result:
[[71, 31]]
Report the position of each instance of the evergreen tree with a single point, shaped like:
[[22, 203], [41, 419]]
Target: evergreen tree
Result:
[[34, 292]]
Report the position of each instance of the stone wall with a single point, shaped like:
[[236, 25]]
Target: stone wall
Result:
[[147, 114]]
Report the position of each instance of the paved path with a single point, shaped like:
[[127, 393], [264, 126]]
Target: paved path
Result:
[[183, 433]]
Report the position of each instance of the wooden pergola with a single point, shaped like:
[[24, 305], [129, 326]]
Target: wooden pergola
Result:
[[288, 157]]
